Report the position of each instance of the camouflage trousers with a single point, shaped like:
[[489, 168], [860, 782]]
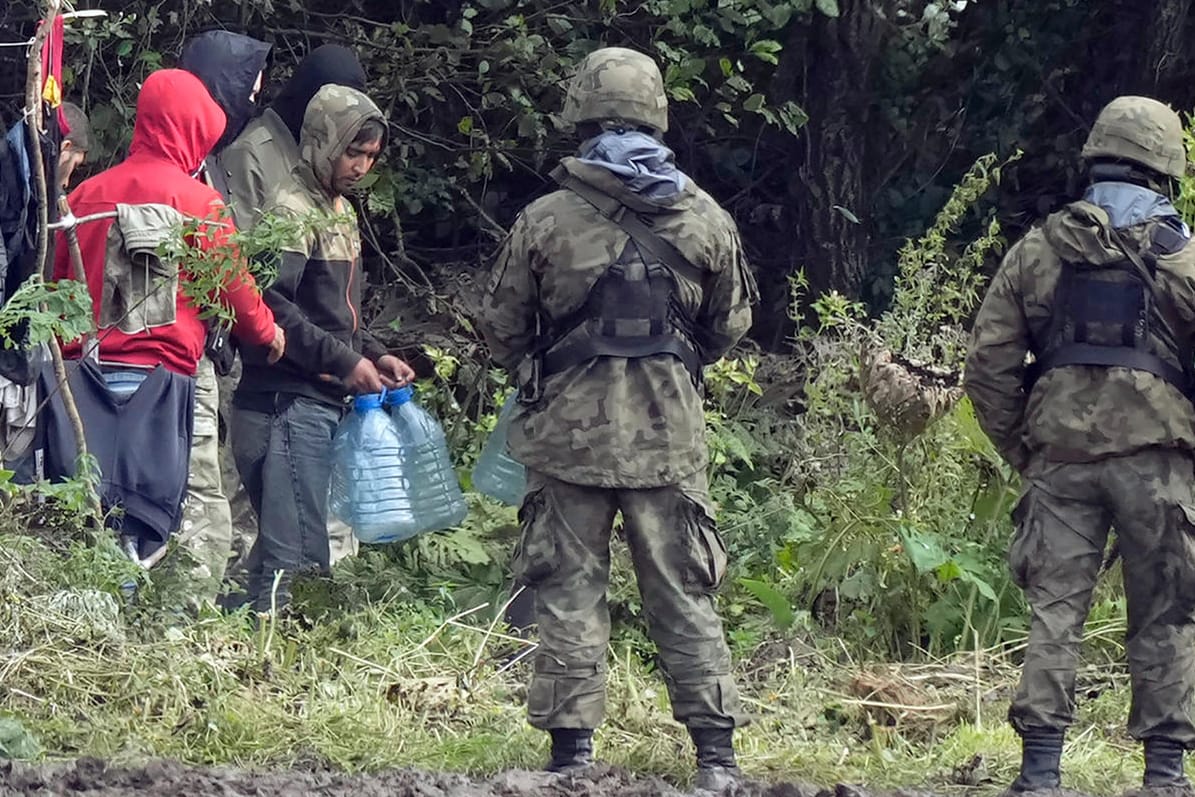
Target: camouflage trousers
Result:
[[1063, 520], [206, 529], [679, 562]]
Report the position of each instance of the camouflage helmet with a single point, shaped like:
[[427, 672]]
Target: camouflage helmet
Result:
[[617, 83], [1141, 130]]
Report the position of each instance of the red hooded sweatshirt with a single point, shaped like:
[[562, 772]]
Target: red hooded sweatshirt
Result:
[[177, 125]]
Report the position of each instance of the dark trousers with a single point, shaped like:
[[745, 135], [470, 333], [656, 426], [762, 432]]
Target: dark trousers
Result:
[[285, 461]]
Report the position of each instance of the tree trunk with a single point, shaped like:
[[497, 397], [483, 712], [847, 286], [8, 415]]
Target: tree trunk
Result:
[[1164, 49], [828, 67]]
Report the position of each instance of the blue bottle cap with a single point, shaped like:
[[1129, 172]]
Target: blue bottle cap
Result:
[[400, 396], [368, 401]]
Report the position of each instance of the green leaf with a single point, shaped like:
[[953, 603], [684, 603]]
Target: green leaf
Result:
[[773, 600], [793, 117], [15, 741], [727, 67], [754, 103], [949, 571], [847, 214], [465, 125], [985, 589], [766, 49], [828, 7], [923, 550]]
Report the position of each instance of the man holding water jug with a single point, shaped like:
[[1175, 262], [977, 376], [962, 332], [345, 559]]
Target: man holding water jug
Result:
[[607, 299], [285, 415]]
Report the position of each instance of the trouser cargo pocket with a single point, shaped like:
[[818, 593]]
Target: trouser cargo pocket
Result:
[[536, 556], [704, 553]]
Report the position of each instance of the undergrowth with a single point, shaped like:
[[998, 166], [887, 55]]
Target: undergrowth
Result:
[[391, 682]]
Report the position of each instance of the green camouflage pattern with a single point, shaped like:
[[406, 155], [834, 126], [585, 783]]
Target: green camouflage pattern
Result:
[[332, 120], [1141, 130], [206, 528], [679, 560], [613, 422], [1073, 413], [1063, 520], [617, 83]]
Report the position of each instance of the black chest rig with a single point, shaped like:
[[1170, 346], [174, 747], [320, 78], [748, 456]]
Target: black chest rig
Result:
[[1115, 315], [634, 309]]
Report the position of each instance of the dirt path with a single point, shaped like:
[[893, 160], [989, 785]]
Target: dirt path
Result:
[[94, 778]]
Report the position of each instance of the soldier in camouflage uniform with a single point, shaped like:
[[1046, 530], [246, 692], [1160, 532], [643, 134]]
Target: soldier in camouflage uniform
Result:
[[1101, 427], [607, 298], [286, 414]]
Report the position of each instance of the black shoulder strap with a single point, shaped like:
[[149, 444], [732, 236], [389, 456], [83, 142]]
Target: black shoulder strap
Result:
[[643, 236], [1162, 301]]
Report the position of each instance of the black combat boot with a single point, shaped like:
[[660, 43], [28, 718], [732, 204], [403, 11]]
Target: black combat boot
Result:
[[1164, 763], [716, 767], [1041, 761], [572, 750]]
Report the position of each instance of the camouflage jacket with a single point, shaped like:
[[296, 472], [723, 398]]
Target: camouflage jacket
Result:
[[1075, 413], [613, 422], [316, 296]]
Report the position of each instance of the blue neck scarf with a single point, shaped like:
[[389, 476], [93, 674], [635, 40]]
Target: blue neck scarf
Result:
[[644, 164]]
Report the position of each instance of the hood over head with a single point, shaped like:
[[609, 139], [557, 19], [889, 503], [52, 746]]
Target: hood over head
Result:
[[177, 119], [329, 63], [333, 118], [228, 64]]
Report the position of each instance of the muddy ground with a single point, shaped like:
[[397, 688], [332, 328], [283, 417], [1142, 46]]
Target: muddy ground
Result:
[[94, 778]]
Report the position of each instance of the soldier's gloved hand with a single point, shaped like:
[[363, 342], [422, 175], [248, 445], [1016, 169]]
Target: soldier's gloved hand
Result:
[[394, 372], [364, 378]]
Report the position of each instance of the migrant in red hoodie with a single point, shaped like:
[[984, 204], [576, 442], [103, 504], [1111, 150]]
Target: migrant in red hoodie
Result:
[[176, 127]]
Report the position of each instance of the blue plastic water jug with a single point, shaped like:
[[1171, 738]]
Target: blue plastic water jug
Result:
[[498, 474], [436, 501], [368, 490]]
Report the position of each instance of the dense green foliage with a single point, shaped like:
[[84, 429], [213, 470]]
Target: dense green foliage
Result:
[[832, 129]]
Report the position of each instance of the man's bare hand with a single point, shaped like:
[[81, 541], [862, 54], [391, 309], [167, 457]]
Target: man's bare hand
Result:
[[277, 346], [394, 372], [364, 378]]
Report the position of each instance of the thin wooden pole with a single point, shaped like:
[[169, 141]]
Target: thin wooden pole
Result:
[[33, 90]]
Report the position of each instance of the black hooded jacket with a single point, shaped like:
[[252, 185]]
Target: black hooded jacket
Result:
[[329, 63], [228, 64], [254, 165]]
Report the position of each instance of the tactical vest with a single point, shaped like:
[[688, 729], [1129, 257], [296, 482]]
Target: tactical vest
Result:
[[633, 310], [1112, 315]]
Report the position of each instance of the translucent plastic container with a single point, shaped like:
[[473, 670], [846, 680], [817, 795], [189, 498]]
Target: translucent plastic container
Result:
[[498, 474], [368, 490], [435, 498]]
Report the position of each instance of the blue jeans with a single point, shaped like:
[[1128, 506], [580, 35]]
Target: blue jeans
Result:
[[285, 462]]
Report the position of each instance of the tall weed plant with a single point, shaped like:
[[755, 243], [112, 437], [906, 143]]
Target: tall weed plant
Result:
[[895, 543]]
